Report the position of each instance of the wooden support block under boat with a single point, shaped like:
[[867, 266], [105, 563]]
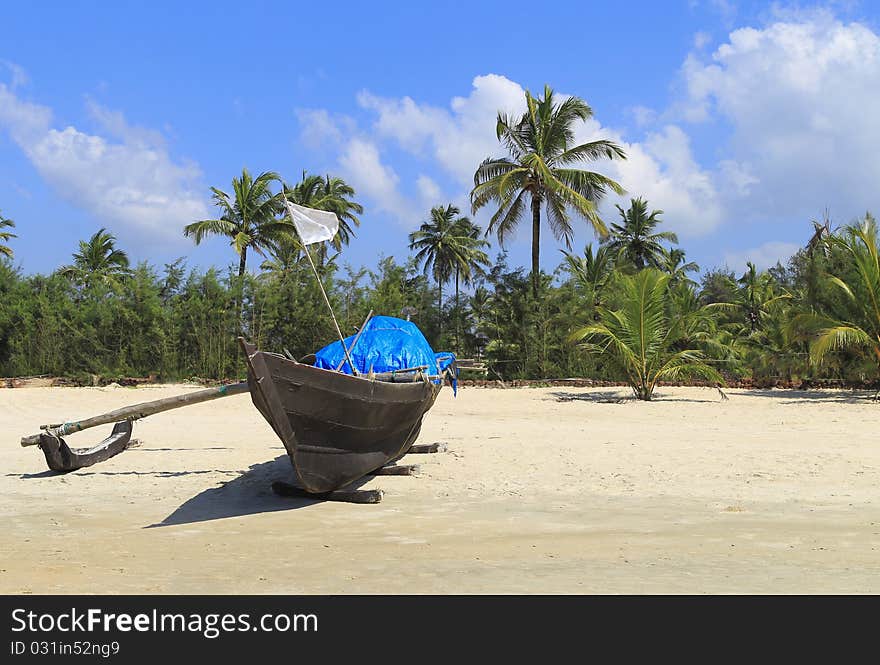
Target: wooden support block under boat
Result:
[[426, 448], [347, 496], [397, 470]]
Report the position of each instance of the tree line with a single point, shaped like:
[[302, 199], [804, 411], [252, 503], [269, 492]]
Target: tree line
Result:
[[628, 307]]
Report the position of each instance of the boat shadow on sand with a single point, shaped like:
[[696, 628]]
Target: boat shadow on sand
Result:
[[249, 494]]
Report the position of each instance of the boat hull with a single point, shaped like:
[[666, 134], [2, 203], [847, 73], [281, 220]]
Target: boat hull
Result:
[[336, 427]]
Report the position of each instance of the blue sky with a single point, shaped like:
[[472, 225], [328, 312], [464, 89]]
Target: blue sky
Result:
[[743, 121]]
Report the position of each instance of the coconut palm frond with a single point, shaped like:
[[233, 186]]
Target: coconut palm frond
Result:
[[838, 338]]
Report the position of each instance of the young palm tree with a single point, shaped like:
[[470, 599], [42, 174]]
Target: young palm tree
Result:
[[98, 260], [6, 235], [331, 194], [635, 240], [446, 245], [640, 338], [248, 218], [537, 172], [860, 331]]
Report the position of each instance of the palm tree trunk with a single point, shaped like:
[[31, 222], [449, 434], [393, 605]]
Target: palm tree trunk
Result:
[[457, 316], [439, 310], [536, 243], [242, 266], [242, 263]]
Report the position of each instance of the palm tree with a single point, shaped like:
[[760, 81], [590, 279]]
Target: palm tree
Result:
[[475, 258], [248, 219], [860, 330], [817, 251], [635, 239], [446, 246], [677, 266], [480, 306], [331, 194], [821, 232], [537, 170], [640, 338], [757, 297], [6, 235], [284, 256], [98, 260], [591, 272]]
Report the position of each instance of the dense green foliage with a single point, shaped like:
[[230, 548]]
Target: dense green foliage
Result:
[[100, 316]]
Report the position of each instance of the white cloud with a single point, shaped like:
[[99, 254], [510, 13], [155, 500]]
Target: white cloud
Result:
[[318, 127], [459, 137], [364, 170], [19, 75], [131, 184], [663, 170], [765, 256], [643, 115], [701, 40], [115, 125], [801, 98], [429, 190]]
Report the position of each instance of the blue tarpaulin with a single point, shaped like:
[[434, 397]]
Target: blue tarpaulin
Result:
[[385, 344]]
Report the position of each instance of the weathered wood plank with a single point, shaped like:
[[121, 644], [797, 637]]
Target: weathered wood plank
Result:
[[397, 470], [282, 488], [425, 448]]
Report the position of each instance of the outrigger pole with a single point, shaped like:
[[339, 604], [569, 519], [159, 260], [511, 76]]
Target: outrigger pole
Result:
[[61, 457], [135, 412], [318, 279]]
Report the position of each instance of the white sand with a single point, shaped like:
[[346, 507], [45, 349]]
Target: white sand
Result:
[[551, 490]]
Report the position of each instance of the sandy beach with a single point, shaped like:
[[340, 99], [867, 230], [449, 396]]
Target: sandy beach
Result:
[[545, 490]]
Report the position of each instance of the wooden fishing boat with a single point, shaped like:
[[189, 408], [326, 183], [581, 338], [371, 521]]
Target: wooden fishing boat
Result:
[[337, 427]]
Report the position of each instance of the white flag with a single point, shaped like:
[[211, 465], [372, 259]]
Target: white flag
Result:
[[313, 225]]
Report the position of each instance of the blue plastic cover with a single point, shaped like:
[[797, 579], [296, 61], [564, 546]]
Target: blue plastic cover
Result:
[[386, 344]]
